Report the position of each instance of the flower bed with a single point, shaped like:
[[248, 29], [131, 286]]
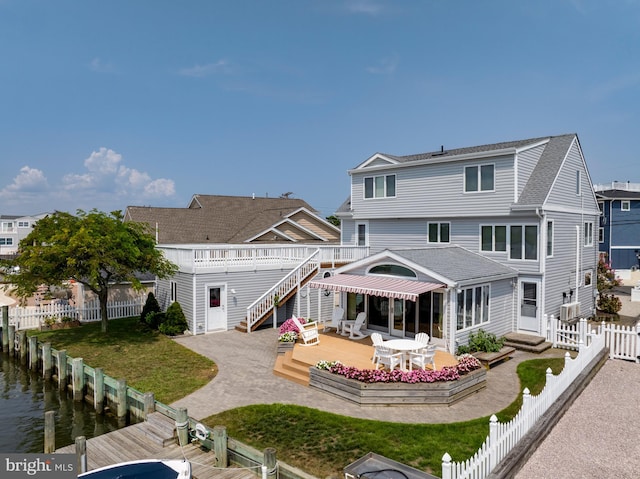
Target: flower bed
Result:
[[377, 387]]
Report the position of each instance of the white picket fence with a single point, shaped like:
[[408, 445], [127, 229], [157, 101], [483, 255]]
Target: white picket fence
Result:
[[30, 317], [503, 437], [623, 341]]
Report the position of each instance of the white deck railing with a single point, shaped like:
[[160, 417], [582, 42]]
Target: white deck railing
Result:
[[30, 317], [503, 437], [269, 301], [236, 257]]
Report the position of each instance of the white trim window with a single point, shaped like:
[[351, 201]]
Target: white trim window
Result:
[[625, 205], [7, 227], [588, 233], [493, 238], [383, 186], [600, 235], [473, 307], [578, 183], [23, 224], [362, 234], [479, 178], [6, 241], [549, 238], [438, 232], [523, 242], [588, 277]]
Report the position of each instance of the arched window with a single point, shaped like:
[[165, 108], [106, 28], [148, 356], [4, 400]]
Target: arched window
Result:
[[392, 270]]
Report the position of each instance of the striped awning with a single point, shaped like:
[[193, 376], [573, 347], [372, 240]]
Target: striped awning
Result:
[[387, 287]]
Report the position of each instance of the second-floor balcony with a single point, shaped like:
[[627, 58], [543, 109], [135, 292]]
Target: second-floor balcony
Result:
[[227, 257]]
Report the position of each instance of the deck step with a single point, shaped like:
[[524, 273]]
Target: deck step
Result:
[[285, 369], [157, 431], [527, 342]]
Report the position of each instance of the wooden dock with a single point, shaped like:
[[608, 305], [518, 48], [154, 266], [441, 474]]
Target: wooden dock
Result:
[[154, 439]]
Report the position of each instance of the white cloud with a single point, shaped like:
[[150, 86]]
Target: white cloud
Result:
[[98, 66], [367, 7], [199, 71], [29, 180], [386, 66]]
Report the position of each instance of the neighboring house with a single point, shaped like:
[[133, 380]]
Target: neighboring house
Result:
[[492, 237], [619, 232], [14, 228], [243, 260]]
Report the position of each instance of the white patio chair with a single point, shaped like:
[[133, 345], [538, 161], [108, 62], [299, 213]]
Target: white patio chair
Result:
[[354, 328], [422, 338], [336, 318], [376, 340], [308, 332], [423, 357], [388, 358]]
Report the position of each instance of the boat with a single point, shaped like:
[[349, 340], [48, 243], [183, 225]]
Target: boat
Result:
[[150, 468]]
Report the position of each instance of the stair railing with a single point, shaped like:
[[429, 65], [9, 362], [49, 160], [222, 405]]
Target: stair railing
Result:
[[270, 300]]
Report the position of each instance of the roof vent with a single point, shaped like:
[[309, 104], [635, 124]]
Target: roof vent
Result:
[[441, 152]]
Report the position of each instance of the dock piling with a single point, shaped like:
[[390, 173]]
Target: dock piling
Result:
[[81, 454], [220, 444], [49, 432]]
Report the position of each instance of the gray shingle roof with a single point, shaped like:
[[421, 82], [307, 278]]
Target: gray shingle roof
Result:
[[215, 218], [618, 195], [546, 170], [456, 263]]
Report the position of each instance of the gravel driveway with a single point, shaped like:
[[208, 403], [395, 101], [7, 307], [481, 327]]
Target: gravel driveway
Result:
[[598, 437]]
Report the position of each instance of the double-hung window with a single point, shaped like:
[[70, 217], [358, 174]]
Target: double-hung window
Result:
[[479, 178], [23, 224], [625, 205], [438, 232], [588, 233], [173, 286], [383, 186], [523, 242], [362, 236], [473, 307], [6, 241], [493, 238]]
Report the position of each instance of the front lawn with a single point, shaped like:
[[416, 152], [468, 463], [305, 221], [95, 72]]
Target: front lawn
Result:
[[148, 360]]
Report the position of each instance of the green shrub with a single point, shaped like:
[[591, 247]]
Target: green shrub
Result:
[[155, 319], [609, 303], [482, 342], [175, 321], [150, 306]]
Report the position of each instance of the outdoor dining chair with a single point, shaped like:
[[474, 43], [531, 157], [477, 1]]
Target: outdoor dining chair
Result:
[[376, 340], [422, 338], [422, 358], [388, 358]]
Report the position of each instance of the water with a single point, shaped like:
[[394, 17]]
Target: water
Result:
[[25, 397]]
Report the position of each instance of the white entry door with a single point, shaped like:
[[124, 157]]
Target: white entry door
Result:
[[216, 307], [529, 310]]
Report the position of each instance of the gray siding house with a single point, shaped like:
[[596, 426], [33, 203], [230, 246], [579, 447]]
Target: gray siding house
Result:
[[503, 234]]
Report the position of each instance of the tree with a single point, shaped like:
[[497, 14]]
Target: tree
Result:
[[334, 220], [95, 248]]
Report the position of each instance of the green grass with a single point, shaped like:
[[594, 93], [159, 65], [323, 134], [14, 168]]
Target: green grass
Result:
[[148, 360], [323, 443], [317, 442]]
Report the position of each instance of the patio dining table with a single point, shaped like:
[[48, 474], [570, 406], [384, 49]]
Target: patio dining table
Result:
[[405, 346]]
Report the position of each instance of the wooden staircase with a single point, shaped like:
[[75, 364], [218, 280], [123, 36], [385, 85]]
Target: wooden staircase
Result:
[[262, 309], [527, 342], [292, 369]]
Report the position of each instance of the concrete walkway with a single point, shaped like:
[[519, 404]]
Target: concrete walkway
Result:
[[245, 377]]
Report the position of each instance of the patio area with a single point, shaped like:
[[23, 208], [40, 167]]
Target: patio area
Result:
[[295, 363]]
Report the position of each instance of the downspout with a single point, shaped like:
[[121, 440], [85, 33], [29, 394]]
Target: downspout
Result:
[[577, 261], [542, 269]]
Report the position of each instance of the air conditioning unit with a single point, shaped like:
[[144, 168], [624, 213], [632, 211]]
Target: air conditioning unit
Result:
[[569, 311]]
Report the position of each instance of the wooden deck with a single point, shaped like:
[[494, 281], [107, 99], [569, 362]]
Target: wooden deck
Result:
[[294, 364], [135, 442]]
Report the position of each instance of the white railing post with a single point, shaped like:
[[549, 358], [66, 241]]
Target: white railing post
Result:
[[493, 442], [554, 331], [637, 341], [446, 466]]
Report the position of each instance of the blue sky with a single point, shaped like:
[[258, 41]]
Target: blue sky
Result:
[[147, 102]]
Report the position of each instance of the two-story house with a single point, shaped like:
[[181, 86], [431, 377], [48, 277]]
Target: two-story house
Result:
[[619, 231], [14, 228], [492, 236]]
